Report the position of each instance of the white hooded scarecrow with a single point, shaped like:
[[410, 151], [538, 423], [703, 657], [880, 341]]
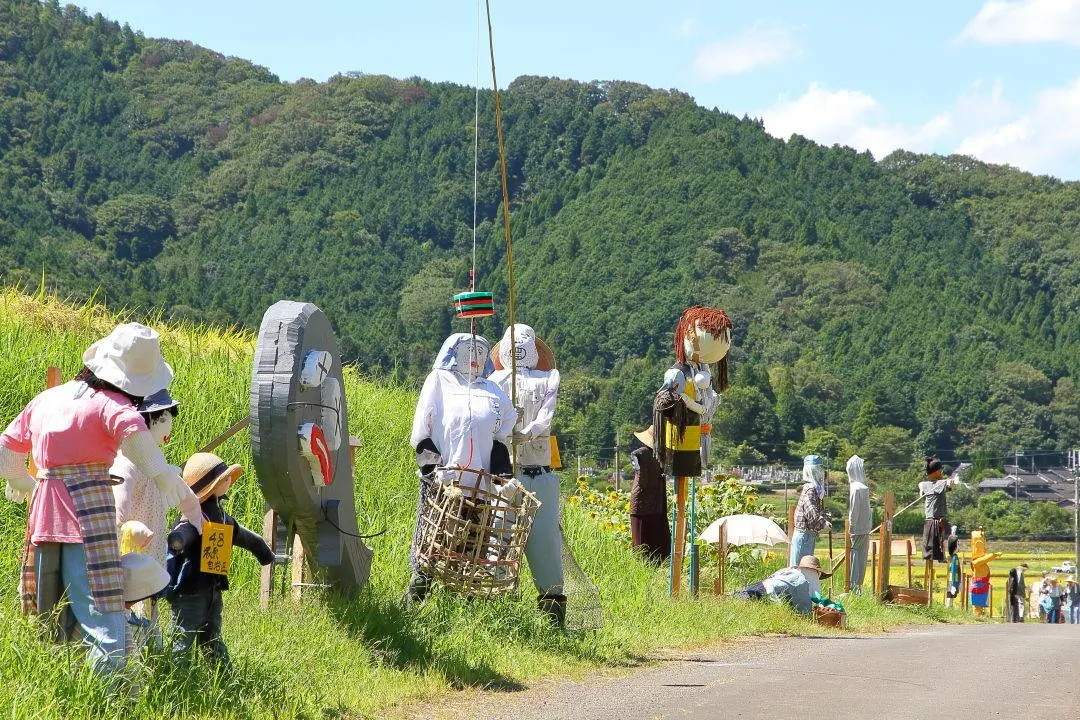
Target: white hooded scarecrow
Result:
[[537, 388], [810, 515], [73, 433], [859, 520], [462, 420]]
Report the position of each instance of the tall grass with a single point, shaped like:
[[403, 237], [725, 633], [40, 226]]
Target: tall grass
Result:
[[324, 657]]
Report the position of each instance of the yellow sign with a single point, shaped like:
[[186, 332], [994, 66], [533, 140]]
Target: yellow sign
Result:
[[216, 555]]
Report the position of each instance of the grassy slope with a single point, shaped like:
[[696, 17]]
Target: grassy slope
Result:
[[323, 657]]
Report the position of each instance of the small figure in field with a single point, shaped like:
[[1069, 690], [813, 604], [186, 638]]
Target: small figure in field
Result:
[[795, 585], [198, 564], [649, 527], [810, 515], [935, 509], [860, 520], [954, 568]]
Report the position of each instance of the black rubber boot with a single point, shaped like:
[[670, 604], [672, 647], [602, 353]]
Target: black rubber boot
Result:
[[554, 604], [419, 587]]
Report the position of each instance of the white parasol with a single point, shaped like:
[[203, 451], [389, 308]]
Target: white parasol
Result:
[[745, 530]]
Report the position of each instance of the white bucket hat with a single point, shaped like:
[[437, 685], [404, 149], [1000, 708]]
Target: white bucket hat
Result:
[[143, 576], [130, 358]]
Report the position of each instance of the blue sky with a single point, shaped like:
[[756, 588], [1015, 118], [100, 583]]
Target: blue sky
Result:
[[997, 79]]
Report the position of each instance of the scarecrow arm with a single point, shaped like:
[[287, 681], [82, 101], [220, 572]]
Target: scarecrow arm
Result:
[[541, 425], [427, 456], [143, 451], [252, 543], [427, 407], [183, 537], [13, 469]]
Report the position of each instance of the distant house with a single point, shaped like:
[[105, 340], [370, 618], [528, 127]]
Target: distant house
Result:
[[1054, 485]]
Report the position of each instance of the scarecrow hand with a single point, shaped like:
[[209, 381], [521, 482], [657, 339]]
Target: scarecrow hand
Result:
[[191, 510], [15, 495], [172, 487]]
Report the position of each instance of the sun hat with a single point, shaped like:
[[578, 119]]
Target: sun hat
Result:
[[646, 436], [156, 402], [143, 576], [204, 472], [809, 562], [130, 358]]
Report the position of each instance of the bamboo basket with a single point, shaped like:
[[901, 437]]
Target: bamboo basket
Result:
[[472, 535]]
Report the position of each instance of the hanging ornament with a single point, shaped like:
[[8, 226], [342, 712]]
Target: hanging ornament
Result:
[[474, 304]]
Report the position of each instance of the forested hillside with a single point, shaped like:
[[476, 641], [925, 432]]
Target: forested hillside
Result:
[[919, 303]]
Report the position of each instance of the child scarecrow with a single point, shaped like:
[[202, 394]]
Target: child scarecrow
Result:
[[980, 571], [462, 420], [198, 564], [144, 579], [537, 389], [136, 496], [73, 433]]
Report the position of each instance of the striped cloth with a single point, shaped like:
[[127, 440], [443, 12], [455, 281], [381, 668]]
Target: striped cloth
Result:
[[91, 493]]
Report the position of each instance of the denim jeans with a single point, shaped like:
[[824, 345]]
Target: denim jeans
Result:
[[196, 620], [802, 544], [1074, 614], [543, 549], [103, 633]]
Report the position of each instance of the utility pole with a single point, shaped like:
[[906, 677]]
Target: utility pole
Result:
[[1016, 475], [618, 484], [1074, 457]]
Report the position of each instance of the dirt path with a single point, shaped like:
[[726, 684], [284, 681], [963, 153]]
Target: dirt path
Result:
[[1025, 671]]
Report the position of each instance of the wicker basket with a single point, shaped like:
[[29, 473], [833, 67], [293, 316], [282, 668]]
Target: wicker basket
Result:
[[472, 532], [829, 617]]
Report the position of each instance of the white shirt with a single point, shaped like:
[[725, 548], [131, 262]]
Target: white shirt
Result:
[[859, 514], [537, 392], [138, 498], [463, 419]]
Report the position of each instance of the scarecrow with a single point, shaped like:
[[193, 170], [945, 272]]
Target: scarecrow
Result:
[[537, 387], [810, 515], [462, 420], [980, 571], [684, 407], [199, 563], [860, 520], [649, 527], [73, 433], [935, 509], [953, 588]]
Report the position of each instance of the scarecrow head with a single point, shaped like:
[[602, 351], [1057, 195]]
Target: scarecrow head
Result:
[[466, 355], [525, 353], [703, 335]]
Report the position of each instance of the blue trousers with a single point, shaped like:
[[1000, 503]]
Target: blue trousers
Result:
[[802, 544], [103, 633]]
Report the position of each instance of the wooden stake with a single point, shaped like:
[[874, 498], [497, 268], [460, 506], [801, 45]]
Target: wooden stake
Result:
[[266, 576], [885, 540], [721, 561], [680, 535], [847, 554], [297, 567], [873, 568], [790, 521]]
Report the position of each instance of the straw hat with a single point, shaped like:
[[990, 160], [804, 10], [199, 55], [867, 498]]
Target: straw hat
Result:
[[130, 358], [204, 472], [143, 576], [809, 562], [646, 437]]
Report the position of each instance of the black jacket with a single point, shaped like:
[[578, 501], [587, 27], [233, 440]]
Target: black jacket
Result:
[[185, 543]]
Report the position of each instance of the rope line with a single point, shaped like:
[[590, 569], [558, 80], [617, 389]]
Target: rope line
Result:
[[506, 222]]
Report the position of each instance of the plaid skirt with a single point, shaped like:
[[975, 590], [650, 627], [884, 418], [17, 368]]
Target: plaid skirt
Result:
[[91, 493]]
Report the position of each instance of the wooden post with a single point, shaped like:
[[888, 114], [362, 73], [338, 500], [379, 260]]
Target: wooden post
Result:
[[679, 535], [297, 567], [907, 554], [790, 521], [847, 554], [886, 543], [873, 567], [930, 585], [721, 561], [990, 601], [964, 589], [266, 576]]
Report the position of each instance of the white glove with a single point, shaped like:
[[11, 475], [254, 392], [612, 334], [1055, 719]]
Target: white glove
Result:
[[172, 487], [13, 469], [509, 489], [15, 495]]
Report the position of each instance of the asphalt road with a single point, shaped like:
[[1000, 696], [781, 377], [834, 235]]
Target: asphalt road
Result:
[[1028, 672]]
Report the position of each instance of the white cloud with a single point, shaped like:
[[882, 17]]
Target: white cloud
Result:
[[849, 117], [1043, 139], [757, 47], [687, 27], [1005, 22]]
